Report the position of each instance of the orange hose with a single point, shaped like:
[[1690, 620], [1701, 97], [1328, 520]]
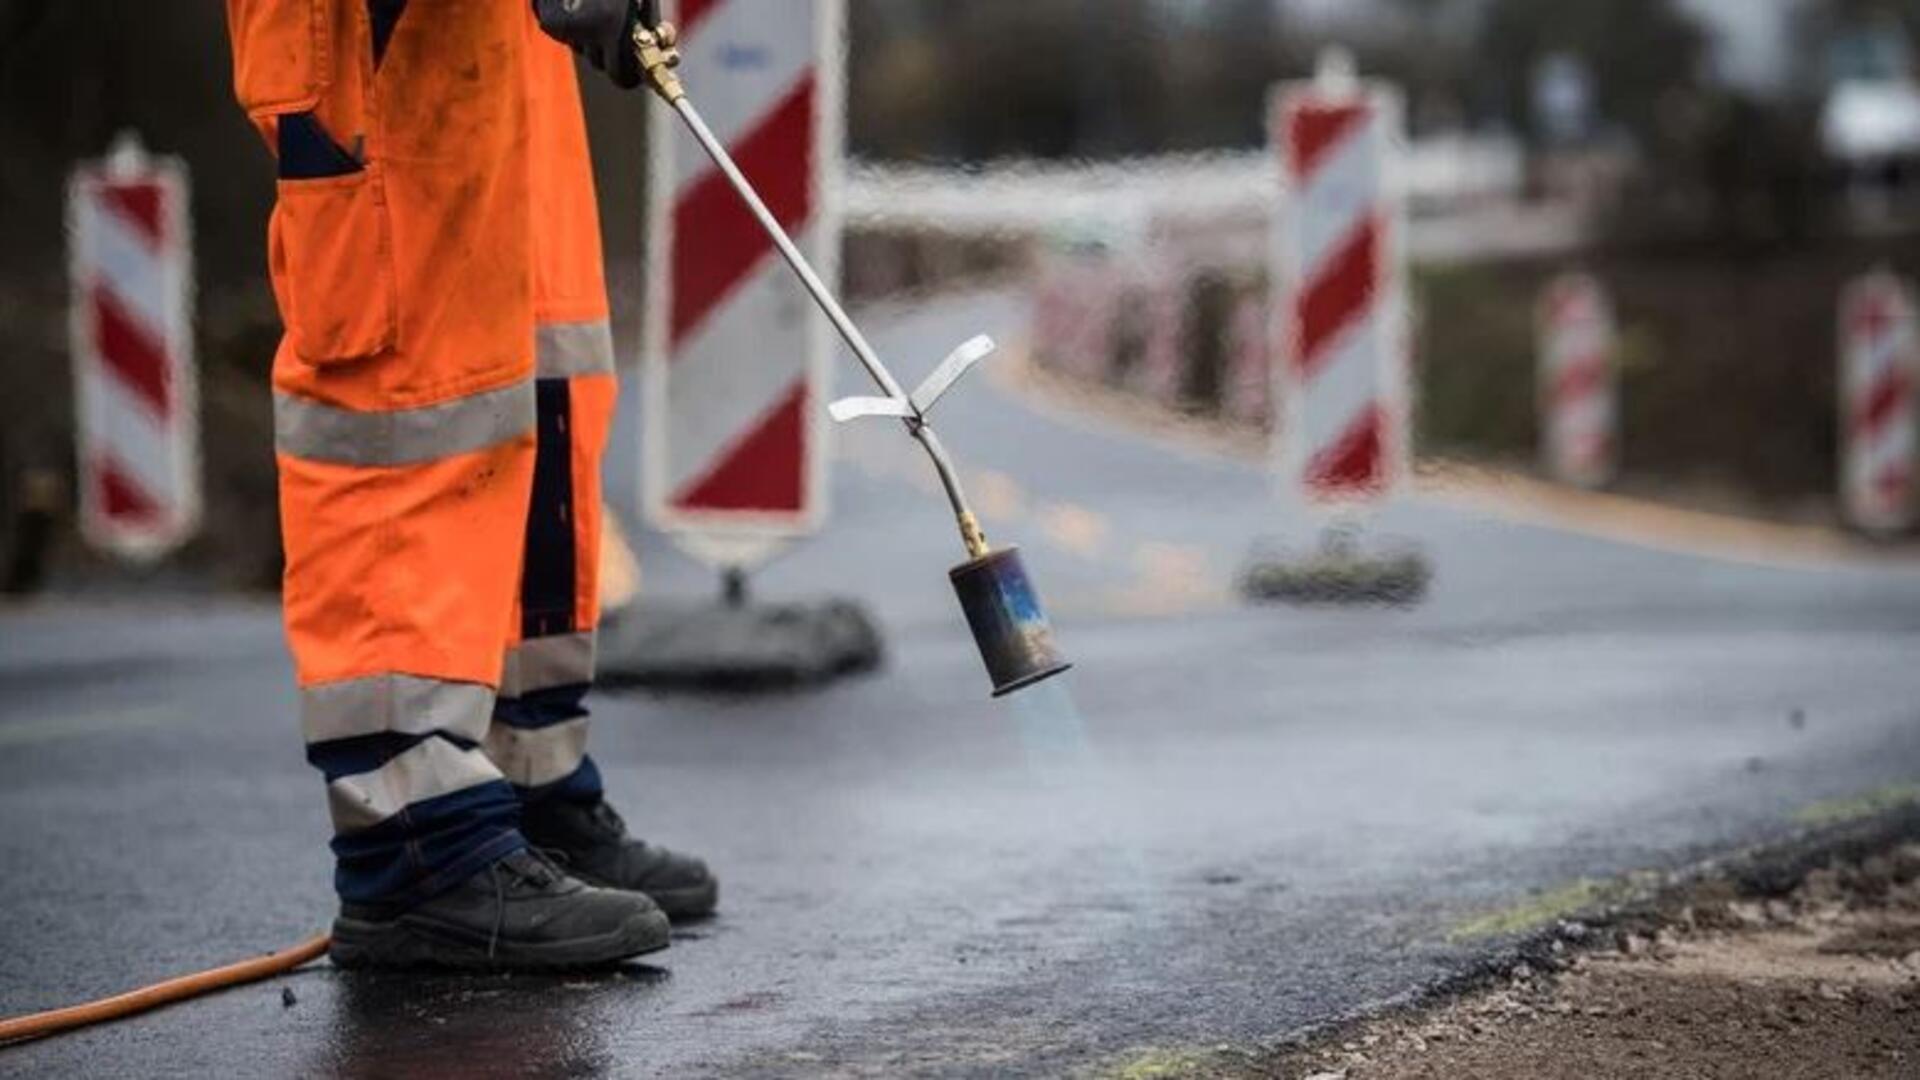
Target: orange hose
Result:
[[121, 1006]]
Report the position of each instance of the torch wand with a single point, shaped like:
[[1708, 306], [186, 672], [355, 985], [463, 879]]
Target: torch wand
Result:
[[1000, 603]]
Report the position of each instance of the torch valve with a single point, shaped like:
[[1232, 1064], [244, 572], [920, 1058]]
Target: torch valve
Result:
[[659, 52]]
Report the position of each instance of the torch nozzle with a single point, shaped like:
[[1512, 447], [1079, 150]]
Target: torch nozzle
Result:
[[972, 535]]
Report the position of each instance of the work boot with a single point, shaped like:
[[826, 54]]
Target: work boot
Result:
[[592, 841], [521, 913]]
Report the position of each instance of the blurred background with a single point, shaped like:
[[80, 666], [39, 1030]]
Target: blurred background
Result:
[[1233, 821], [1723, 166]]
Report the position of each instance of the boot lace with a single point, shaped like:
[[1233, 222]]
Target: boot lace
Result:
[[530, 868], [610, 821]]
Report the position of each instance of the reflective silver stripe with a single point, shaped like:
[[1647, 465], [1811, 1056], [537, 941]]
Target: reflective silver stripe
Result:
[[546, 662], [433, 768], [563, 350], [404, 704], [308, 429], [531, 757]]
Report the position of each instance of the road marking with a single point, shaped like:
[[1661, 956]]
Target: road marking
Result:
[[1568, 900], [1529, 914], [54, 728], [996, 495], [1104, 410], [1859, 807], [1561, 902], [1131, 602], [1173, 565], [1074, 528], [1155, 1064], [1498, 494], [1169, 579], [1521, 499], [619, 565]]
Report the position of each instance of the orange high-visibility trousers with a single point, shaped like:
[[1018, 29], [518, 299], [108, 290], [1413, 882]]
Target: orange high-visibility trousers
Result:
[[442, 396], [538, 738]]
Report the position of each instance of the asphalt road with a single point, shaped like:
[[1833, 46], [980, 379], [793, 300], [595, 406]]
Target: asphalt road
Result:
[[1227, 824]]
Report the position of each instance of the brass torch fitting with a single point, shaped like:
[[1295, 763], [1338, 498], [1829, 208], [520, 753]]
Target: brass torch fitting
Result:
[[659, 53], [972, 536]]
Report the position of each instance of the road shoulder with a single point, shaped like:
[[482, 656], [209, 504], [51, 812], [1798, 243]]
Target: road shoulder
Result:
[[1824, 982], [1502, 493], [1800, 960]]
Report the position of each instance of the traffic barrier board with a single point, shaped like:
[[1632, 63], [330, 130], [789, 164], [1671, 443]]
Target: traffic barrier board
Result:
[[1879, 361], [1578, 384], [130, 265], [1341, 287], [736, 366]]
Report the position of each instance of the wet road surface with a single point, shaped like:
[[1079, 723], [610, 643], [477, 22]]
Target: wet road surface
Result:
[[1225, 825]]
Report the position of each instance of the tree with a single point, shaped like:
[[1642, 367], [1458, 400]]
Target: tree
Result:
[[1645, 55], [1819, 23], [1061, 78]]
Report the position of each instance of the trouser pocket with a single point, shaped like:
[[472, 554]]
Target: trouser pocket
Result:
[[282, 57], [333, 267]]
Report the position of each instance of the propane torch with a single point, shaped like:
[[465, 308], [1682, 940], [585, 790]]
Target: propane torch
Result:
[[998, 598]]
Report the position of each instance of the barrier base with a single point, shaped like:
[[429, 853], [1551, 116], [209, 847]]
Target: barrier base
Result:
[[1347, 569], [744, 647]]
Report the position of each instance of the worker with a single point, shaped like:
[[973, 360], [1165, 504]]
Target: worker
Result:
[[442, 396]]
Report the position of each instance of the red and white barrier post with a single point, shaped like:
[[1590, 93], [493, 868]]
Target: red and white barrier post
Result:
[[1578, 382], [1879, 363], [1074, 306], [1342, 288], [1162, 363], [737, 360], [1055, 315], [130, 263], [736, 363], [1249, 383], [1340, 299]]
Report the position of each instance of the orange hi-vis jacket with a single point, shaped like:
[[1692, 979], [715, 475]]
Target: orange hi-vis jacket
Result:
[[444, 388]]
